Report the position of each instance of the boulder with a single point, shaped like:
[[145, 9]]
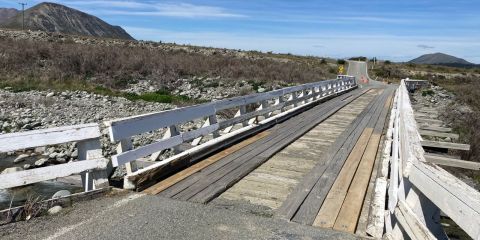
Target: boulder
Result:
[[54, 210], [21, 158], [41, 162], [61, 193]]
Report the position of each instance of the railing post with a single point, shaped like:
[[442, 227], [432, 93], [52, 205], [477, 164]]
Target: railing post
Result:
[[94, 179], [123, 146]]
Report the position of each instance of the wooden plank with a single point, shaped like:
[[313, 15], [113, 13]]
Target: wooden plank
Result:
[[159, 187], [38, 138], [209, 191], [127, 127], [205, 190], [447, 145], [350, 211], [143, 176], [335, 197], [308, 210], [429, 121], [369, 203], [300, 193], [438, 134], [411, 224], [454, 197], [26, 177], [247, 152], [452, 162], [435, 128]]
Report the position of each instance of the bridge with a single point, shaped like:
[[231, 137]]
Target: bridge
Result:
[[340, 158]]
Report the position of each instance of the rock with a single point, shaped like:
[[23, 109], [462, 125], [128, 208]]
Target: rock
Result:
[[54, 210], [27, 166], [41, 162], [50, 94], [11, 170], [61, 193], [21, 158], [261, 90], [74, 154]]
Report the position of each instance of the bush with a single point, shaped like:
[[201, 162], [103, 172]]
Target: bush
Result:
[[341, 61], [45, 65]]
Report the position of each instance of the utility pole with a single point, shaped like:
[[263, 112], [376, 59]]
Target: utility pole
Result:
[[23, 15]]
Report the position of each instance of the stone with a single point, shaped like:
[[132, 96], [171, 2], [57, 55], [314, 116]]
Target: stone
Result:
[[261, 90], [41, 162], [21, 158], [11, 170], [54, 210], [61, 193], [27, 166], [50, 94]]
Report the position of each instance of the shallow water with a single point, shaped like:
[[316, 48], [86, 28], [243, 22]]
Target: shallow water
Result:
[[44, 190]]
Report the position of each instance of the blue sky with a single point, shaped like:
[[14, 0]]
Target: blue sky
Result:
[[397, 30]]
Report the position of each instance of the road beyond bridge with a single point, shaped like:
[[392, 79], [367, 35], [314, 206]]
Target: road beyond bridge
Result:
[[336, 162]]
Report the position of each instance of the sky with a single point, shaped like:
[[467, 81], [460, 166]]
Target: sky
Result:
[[397, 30]]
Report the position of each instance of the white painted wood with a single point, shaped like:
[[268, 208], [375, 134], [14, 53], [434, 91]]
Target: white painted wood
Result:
[[411, 224], [127, 127], [447, 145], [208, 122], [452, 162], [22, 178], [432, 186], [92, 149], [132, 155], [455, 198], [52, 136], [220, 139]]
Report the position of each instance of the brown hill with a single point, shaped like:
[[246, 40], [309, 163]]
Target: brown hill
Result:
[[52, 17]]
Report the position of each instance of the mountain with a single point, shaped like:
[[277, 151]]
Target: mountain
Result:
[[7, 13], [52, 17], [441, 59]]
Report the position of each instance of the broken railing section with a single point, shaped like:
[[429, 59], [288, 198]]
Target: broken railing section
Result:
[[268, 107], [417, 190], [91, 163]]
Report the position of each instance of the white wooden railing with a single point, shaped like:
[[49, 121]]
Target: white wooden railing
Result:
[[269, 107], [417, 190], [91, 162]]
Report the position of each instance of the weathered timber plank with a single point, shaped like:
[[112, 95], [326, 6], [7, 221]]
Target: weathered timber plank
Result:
[[284, 127], [157, 188], [376, 173], [291, 205], [335, 197], [309, 208], [145, 176], [438, 134], [447, 145], [435, 128], [38, 138], [452, 162], [350, 211], [237, 171]]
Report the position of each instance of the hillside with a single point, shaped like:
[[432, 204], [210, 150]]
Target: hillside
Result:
[[440, 59], [7, 13], [52, 17]]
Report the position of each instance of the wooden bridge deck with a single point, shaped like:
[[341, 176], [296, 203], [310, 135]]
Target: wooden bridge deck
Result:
[[313, 168]]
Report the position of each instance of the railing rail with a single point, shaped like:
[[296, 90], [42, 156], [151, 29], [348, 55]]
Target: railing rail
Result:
[[270, 105], [418, 190], [91, 163]]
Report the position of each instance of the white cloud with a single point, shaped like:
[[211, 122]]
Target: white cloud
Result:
[[337, 45], [137, 8]]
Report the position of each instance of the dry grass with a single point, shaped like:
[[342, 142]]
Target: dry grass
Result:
[[68, 65]]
